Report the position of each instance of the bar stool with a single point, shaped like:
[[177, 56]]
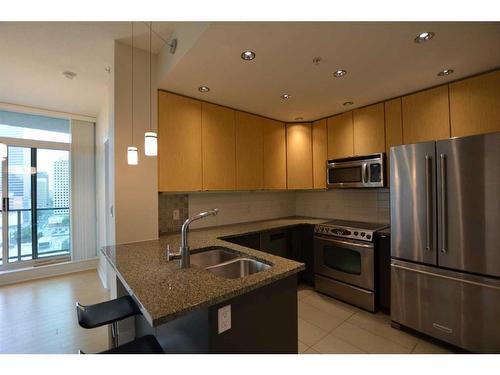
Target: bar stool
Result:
[[143, 345], [109, 312]]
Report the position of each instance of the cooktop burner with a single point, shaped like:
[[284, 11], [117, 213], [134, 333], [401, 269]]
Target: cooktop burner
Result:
[[358, 230]]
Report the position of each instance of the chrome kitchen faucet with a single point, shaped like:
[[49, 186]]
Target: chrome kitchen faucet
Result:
[[184, 249]]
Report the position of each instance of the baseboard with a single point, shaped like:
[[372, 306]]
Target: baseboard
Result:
[[40, 272]]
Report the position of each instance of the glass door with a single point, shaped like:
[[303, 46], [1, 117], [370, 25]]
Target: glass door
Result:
[[35, 205]]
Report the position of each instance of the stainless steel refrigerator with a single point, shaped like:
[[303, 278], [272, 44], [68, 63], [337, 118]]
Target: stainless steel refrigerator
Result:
[[445, 240]]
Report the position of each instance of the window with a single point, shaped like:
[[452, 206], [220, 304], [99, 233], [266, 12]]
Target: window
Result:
[[35, 187]]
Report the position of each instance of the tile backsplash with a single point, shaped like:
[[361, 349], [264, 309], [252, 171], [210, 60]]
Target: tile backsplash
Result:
[[167, 204], [236, 207], [363, 205]]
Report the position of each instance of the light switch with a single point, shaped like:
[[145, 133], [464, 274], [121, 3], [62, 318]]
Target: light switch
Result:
[[175, 214], [224, 318]]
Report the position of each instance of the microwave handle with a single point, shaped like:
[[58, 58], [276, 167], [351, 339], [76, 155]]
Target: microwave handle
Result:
[[365, 172]]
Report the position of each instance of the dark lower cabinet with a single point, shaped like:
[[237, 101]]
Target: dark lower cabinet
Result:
[[274, 242], [300, 248], [263, 321], [251, 241], [295, 242], [383, 271]]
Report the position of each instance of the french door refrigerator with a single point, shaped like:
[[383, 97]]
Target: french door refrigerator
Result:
[[445, 240]]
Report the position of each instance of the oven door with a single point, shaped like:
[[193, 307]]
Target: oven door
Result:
[[349, 261]]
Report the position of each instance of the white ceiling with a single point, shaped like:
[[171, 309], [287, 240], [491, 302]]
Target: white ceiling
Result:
[[33, 56], [382, 61]]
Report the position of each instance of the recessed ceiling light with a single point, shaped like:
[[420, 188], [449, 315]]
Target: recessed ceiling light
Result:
[[69, 74], [203, 89], [299, 118], [248, 55], [424, 37], [286, 96], [340, 73], [445, 72], [348, 103]]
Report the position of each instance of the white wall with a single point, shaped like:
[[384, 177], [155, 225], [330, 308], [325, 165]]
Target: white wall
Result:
[[237, 207], [362, 205], [136, 187]]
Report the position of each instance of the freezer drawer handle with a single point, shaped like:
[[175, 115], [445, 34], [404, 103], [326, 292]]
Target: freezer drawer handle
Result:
[[428, 201], [446, 277], [442, 328], [443, 204]]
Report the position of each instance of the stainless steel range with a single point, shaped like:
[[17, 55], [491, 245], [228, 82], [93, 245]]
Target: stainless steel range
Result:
[[344, 261]]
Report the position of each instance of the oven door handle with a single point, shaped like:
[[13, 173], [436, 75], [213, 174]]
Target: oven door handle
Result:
[[340, 242]]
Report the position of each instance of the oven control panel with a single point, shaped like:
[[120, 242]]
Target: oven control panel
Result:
[[358, 234]]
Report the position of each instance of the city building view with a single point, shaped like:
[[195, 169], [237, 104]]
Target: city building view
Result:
[[38, 191]]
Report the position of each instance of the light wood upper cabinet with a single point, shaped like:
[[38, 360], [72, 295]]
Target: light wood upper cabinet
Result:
[[319, 153], [426, 115], [369, 132], [340, 136], [249, 151], [179, 143], [218, 146], [274, 154], [299, 156], [393, 129], [475, 105]]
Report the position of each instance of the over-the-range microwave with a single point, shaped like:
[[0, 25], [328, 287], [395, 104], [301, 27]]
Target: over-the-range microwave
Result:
[[366, 171]]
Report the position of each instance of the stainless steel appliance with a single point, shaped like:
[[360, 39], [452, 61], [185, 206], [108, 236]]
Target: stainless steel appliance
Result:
[[344, 261], [445, 240], [356, 172]]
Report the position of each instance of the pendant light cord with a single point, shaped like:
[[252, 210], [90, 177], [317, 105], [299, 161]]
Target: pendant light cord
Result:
[[150, 101], [132, 79]]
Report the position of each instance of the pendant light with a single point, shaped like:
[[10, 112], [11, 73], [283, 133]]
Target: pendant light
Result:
[[150, 137], [3, 151], [132, 154]]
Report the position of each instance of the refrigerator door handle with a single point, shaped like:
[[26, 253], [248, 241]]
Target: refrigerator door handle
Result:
[[443, 204], [428, 203]]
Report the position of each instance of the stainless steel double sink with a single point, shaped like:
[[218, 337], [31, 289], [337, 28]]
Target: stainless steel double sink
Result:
[[225, 263]]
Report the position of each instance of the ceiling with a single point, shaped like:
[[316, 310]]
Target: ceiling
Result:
[[34, 55], [381, 59]]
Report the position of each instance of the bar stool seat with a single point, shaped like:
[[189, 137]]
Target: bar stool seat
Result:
[[103, 313]]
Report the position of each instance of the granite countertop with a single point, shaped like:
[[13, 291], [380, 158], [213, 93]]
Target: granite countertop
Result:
[[164, 291]]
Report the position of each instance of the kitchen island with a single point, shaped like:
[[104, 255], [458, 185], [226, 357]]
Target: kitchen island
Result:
[[195, 311]]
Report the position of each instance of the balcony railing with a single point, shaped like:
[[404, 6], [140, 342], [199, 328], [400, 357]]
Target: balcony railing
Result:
[[43, 236]]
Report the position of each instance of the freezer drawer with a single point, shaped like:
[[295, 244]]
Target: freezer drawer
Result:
[[460, 309]]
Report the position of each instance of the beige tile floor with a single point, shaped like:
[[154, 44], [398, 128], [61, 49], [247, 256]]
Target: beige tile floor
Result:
[[328, 326]]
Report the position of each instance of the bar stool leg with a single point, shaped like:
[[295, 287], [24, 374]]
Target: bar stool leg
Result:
[[114, 334]]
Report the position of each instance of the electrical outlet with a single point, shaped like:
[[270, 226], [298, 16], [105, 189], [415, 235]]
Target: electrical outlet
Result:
[[224, 318], [175, 214]]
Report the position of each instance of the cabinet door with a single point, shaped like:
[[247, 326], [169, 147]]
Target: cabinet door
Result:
[[475, 105], [274, 154], [426, 115], [340, 136], [319, 150], [179, 143], [249, 151], [218, 145], [393, 129], [299, 156], [369, 133]]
